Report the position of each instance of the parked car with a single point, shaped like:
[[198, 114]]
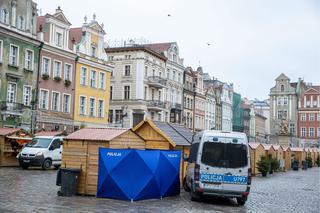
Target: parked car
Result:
[[43, 151], [219, 165]]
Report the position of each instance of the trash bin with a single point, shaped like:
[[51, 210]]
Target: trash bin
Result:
[[68, 179], [295, 165], [304, 165]]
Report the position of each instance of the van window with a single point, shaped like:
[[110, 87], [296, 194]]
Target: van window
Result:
[[56, 143], [39, 143], [225, 155], [193, 153]]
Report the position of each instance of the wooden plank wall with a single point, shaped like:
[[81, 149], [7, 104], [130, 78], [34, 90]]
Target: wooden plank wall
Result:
[[128, 140], [7, 155]]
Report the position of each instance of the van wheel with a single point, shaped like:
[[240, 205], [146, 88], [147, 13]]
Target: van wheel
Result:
[[241, 201], [56, 167], [185, 185], [194, 196], [24, 166], [46, 164]]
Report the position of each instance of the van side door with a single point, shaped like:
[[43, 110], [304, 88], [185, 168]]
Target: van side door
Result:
[[55, 150]]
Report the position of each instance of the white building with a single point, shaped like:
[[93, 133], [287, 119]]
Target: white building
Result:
[[227, 100], [263, 108]]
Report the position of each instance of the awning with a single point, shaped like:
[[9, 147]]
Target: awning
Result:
[[20, 140]]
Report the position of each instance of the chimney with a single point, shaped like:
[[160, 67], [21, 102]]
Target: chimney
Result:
[[58, 10]]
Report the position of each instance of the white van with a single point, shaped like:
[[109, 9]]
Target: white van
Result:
[[42, 151], [219, 165]]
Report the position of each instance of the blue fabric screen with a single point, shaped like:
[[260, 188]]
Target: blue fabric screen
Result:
[[130, 174]]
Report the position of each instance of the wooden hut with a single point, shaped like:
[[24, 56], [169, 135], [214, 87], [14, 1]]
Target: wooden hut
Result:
[[298, 154], [256, 152], [80, 151], [287, 157], [51, 133], [269, 150], [11, 142], [165, 136], [279, 156]]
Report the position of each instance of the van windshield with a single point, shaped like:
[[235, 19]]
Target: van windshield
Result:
[[39, 143], [226, 155]]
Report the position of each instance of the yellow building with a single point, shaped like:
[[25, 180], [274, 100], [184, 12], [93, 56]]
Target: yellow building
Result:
[[92, 86]]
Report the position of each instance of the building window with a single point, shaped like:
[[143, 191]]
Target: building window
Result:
[[66, 103], [282, 88], [318, 132], [174, 75], [58, 39], [92, 107], [303, 117], [279, 100], [118, 116], [311, 132], [93, 76], [145, 93], [83, 76], [67, 72], [82, 105], [20, 23], [285, 100], [93, 51], [168, 73], [152, 94], [152, 115], [26, 95], [45, 66], [145, 71], [44, 99], [126, 92], [29, 60], [110, 58], [14, 55], [57, 69], [303, 132], [159, 117], [102, 79], [292, 128], [1, 50], [318, 116], [101, 108], [5, 16], [174, 56], [127, 57], [311, 117], [179, 77], [127, 70], [110, 117], [11, 92], [111, 88], [55, 105]]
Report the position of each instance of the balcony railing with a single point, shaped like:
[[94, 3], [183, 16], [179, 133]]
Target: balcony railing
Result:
[[12, 107], [155, 104], [156, 81]]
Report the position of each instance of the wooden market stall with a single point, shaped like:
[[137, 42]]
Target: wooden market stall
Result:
[[279, 156], [51, 133], [269, 150], [256, 152], [80, 151], [298, 155], [165, 136], [11, 143], [287, 157]]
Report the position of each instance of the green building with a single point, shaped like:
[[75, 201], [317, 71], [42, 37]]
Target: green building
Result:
[[237, 122], [19, 56]]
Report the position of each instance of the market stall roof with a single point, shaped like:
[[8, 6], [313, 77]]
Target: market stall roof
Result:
[[254, 145], [96, 134], [49, 133], [267, 146], [8, 131], [297, 149], [286, 148], [183, 131], [276, 147]]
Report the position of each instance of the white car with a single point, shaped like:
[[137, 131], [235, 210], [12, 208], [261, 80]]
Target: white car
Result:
[[43, 151], [219, 165]]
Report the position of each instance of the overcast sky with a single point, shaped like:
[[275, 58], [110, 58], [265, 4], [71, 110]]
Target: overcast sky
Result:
[[252, 41]]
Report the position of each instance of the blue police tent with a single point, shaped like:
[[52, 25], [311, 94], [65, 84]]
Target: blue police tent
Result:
[[130, 174]]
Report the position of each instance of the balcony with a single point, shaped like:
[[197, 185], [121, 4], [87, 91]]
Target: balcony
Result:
[[12, 108], [176, 106], [155, 105], [156, 81]]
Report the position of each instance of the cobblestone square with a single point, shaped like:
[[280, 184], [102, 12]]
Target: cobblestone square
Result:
[[34, 190]]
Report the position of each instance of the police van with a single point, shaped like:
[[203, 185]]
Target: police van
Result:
[[219, 165]]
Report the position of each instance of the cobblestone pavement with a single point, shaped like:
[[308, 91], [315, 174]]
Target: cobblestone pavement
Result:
[[34, 190]]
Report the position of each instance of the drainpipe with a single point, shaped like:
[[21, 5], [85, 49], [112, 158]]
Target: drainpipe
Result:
[[35, 103]]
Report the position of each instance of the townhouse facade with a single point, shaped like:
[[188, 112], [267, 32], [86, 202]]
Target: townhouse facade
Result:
[[188, 98], [226, 100], [263, 108], [19, 53], [138, 86], [210, 108], [260, 128], [284, 106], [56, 80], [200, 100], [309, 116], [237, 111], [92, 81]]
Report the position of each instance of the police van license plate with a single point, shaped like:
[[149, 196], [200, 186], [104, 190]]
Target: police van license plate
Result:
[[26, 161], [212, 185]]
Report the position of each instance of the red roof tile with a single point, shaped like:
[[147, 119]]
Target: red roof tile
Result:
[[254, 145], [52, 133], [159, 47], [96, 134], [76, 34], [8, 131]]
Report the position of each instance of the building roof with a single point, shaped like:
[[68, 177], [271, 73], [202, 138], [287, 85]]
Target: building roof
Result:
[[183, 131], [41, 20], [8, 131], [96, 134], [159, 47], [136, 48], [175, 136], [254, 145], [49, 133], [75, 34]]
